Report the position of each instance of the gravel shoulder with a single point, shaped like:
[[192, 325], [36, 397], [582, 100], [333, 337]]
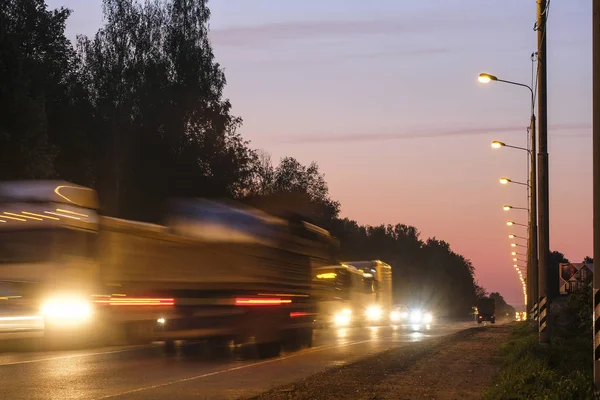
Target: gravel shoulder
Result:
[[458, 366]]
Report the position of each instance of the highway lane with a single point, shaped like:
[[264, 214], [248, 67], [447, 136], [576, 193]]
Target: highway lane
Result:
[[145, 372]]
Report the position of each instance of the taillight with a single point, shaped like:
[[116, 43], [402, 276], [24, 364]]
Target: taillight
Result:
[[261, 302], [298, 314]]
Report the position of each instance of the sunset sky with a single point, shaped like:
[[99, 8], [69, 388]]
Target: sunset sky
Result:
[[384, 96]]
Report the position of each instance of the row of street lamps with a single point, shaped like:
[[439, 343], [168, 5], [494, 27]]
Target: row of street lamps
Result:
[[529, 284]]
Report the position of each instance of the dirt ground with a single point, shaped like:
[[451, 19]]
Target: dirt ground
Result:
[[459, 366]]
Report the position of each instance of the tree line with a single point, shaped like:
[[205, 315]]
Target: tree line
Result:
[[137, 112]]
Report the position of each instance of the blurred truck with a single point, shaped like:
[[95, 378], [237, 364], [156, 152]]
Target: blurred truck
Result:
[[486, 310], [48, 268], [218, 271]]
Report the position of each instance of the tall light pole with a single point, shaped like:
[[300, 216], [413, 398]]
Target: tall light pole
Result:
[[544, 288], [532, 269], [596, 190]]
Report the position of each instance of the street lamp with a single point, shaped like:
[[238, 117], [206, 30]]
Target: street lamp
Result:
[[533, 230], [516, 245], [511, 236], [506, 181], [496, 145], [511, 223], [508, 208]]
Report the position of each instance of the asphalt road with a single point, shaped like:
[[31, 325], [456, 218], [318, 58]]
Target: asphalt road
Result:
[[145, 372]]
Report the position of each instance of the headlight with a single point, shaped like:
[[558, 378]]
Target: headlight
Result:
[[70, 308], [428, 318], [342, 318], [415, 316], [374, 312], [395, 316]]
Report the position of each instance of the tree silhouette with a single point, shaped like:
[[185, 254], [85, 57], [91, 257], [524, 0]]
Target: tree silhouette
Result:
[[137, 111]]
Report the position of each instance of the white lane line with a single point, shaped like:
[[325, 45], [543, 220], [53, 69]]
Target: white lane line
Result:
[[74, 356], [223, 371]]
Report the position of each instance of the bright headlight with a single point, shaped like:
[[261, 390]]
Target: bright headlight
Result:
[[415, 316], [395, 316], [374, 312], [72, 308], [428, 318], [342, 318]]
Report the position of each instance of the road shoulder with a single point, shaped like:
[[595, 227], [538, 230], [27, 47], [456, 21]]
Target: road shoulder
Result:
[[457, 366]]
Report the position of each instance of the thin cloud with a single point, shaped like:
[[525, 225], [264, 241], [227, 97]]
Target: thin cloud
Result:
[[399, 53], [373, 137], [405, 24]]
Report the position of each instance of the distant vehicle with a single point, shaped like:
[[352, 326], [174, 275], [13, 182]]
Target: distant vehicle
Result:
[[343, 293], [486, 309], [415, 318], [377, 278]]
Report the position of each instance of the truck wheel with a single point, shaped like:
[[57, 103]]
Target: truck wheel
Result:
[[170, 348], [137, 333], [298, 338], [268, 350]]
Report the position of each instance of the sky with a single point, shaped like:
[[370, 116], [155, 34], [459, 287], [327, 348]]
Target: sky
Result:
[[384, 96]]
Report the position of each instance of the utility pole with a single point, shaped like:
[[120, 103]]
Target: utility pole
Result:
[[533, 236], [596, 149], [543, 186]]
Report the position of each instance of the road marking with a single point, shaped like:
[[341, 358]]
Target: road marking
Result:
[[223, 371], [76, 356]]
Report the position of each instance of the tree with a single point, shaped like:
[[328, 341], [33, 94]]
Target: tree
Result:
[[290, 176], [502, 308], [36, 62], [588, 260], [161, 125]]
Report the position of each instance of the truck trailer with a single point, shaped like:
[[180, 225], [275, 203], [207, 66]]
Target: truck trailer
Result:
[[217, 271]]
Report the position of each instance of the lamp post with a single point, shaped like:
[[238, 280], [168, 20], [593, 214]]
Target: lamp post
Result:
[[511, 223], [508, 208], [533, 217]]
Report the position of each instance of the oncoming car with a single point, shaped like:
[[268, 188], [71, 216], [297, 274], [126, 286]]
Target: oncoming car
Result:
[[416, 319]]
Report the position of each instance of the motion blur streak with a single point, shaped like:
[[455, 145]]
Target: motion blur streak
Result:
[[136, 302], [261, 302]]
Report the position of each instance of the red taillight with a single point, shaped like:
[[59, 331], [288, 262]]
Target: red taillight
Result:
[[261, 302], [298, 314], [132, 301]]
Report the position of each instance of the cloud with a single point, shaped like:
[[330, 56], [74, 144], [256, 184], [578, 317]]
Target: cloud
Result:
[[371, 137], [398, 53], [398, 25]]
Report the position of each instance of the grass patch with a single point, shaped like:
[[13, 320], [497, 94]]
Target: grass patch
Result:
[[561, 371]]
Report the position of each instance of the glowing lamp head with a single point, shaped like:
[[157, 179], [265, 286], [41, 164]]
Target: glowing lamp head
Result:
[[514, 259], [514, 253], [496, 144], [513, 245], [486, 78], [510, 223], [504, 181], [511, 236], [506, 208]]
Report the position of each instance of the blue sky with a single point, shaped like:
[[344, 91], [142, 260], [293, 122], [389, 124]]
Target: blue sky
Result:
[[384, 96]]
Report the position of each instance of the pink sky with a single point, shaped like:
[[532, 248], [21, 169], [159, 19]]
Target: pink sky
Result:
[[378, 92]]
